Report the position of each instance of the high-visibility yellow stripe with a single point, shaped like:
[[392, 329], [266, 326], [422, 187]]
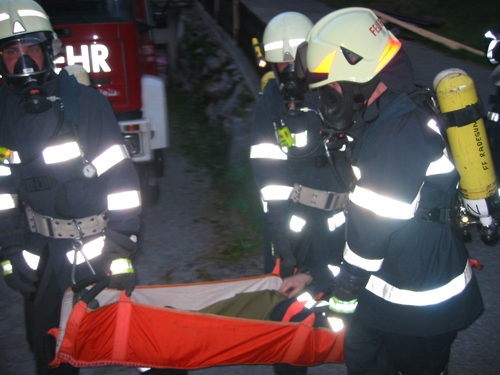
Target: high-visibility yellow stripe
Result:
[[325, 65]]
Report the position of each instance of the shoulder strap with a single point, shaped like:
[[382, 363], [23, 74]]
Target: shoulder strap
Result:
[[428, 98], [425, 96]]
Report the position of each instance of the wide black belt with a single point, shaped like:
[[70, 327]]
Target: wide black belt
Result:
[[435, 214]]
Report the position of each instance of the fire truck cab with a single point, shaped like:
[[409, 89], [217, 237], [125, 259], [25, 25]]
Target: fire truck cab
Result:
[[113, 41]]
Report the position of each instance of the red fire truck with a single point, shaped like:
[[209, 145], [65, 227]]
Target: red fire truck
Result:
[[113, 41]]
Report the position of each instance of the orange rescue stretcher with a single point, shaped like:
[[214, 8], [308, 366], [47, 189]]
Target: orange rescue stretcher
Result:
[[139, 331]]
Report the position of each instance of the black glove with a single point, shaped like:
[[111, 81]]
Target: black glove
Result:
[[122, 275], [349, 284], [118, 248], [18, 275]]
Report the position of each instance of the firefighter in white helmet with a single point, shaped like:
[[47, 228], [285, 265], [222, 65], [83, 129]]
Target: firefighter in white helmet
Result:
[[67, 184], [300, 170], [405, 285]]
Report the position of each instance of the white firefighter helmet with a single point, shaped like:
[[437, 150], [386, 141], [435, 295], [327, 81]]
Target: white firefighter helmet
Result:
[[79, 72], [350, 44], [283, 34], [25, 23]]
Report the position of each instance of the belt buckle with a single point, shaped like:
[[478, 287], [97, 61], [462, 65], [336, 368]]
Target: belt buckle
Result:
[[444, 215], [430, 215], [330, 201], [49, 220], [297, 190]]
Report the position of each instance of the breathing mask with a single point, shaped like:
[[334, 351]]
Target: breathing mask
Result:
[[293, 90], [25, 66], [337, 108]]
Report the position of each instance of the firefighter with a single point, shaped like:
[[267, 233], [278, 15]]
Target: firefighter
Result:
[[67, 185], [302, 175], [492, 51], [405, 285]]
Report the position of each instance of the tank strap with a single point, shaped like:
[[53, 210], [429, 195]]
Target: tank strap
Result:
[[465, 116], [425, 96]]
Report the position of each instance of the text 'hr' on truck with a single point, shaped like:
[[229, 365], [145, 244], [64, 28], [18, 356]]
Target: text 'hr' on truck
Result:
[[113, 41]]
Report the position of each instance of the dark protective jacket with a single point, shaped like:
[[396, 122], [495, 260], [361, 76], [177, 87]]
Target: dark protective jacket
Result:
[[420, 282], [320, 240], [492, 120], [56, 189]]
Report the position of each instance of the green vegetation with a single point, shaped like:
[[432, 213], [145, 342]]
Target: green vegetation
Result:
[[235, 210], [463, 21], [236, 207]]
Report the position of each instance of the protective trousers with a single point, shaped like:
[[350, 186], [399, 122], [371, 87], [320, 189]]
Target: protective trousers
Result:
[[374, 352], [40, 318]]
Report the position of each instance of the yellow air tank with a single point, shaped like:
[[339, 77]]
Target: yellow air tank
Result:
[[458, 100], [463, 116]]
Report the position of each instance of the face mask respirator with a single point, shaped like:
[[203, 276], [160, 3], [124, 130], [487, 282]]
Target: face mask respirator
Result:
[[293, 90], [35, 99], [337, 109]]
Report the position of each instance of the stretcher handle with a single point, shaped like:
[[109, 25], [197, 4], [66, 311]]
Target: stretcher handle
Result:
[[92, 279], [95, 290], [101, 281]]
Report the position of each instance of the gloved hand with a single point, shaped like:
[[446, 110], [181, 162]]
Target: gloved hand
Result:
[[122, 275], [341, 305], [118, 248], [349, 283], [18, 275]]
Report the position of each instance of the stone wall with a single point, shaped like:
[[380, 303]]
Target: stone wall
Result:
[[210, 65]]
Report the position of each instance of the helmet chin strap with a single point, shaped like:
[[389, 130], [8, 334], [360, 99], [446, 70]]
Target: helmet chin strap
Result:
[[375, 89]]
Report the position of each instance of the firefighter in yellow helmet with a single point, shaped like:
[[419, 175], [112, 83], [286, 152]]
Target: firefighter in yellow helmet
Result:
[[405, 285], [67, 184]]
